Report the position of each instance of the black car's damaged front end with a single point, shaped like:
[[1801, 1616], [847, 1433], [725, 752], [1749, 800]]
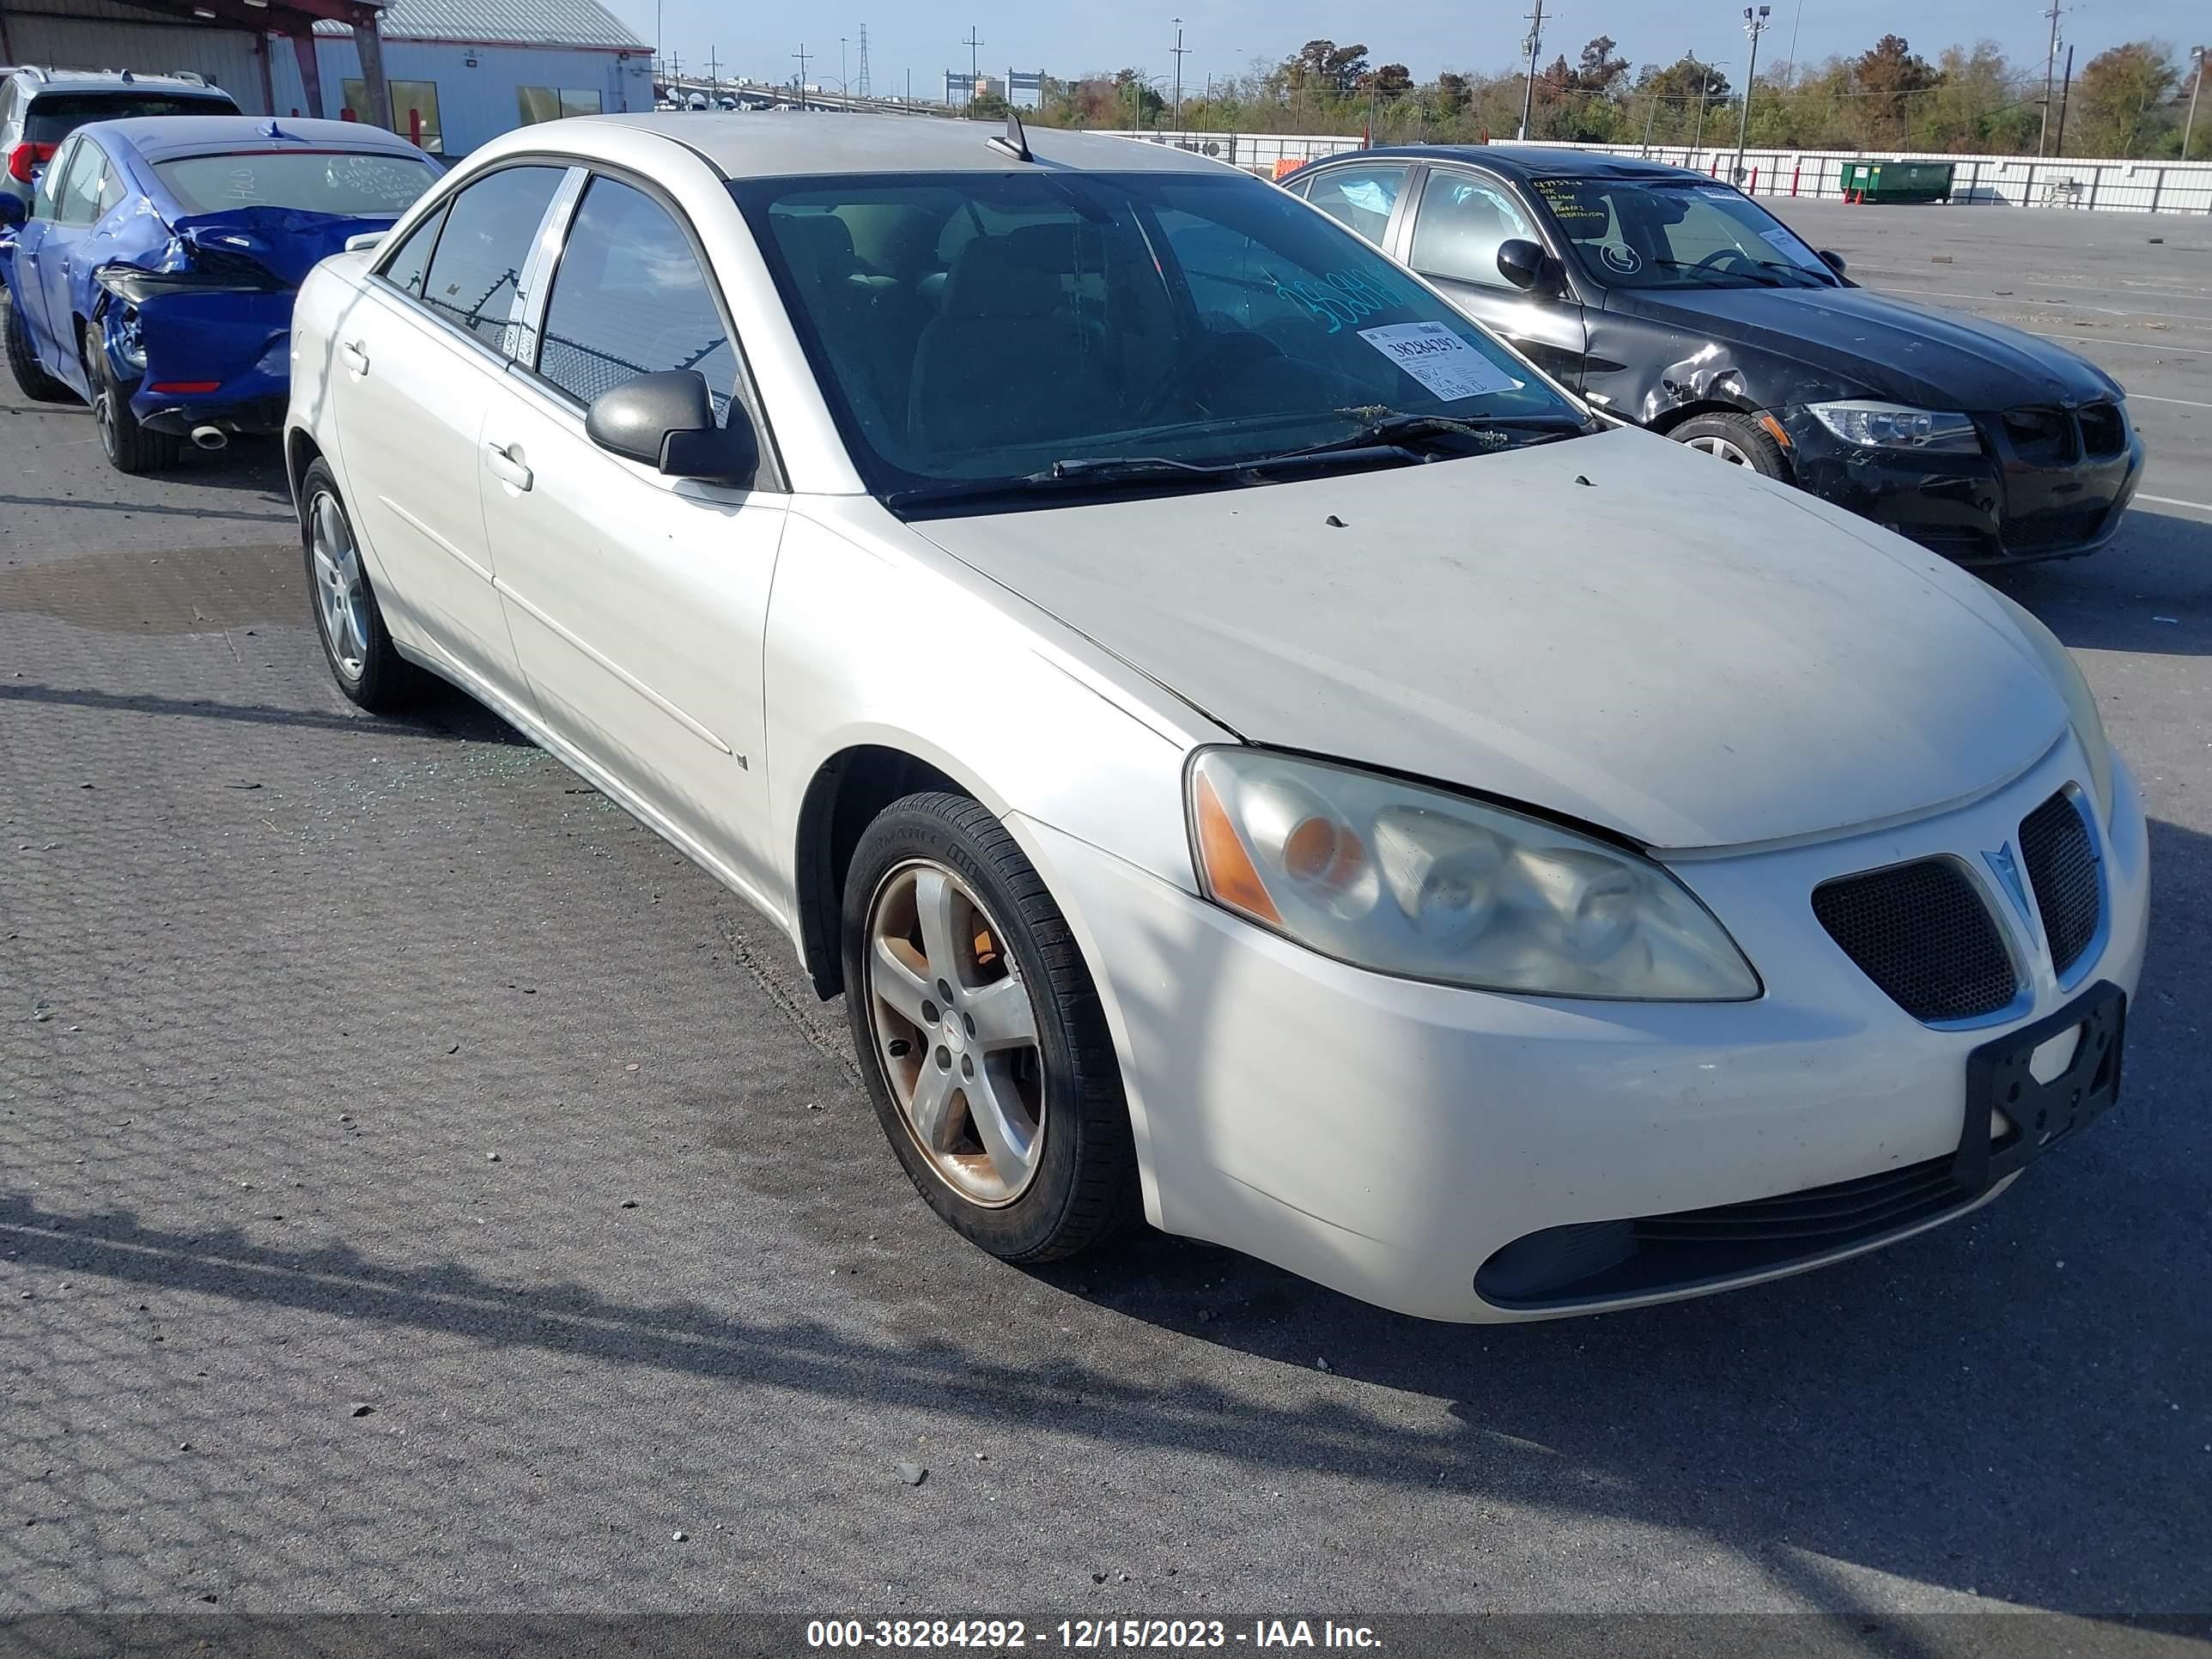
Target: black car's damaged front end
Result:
[[2047, 483]]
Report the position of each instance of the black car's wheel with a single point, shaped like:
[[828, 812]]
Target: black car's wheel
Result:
[[32, 381], [128, 446], [363, 660], [1737, 439], [980, 1034]]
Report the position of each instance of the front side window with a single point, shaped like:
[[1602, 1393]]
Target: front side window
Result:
[[539, 104], [367, 185], [414, 111], [1017, 324], [1359, 198], [630, 298], [490, 229], [1690, 233], [1462, 222]]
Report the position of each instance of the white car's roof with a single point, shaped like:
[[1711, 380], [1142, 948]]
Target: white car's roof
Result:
[[745, 146]]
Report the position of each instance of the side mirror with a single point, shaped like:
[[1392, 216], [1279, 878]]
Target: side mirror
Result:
[[1833, 261], [1526, 265], [365, 241], [667, 421], [12, 213]]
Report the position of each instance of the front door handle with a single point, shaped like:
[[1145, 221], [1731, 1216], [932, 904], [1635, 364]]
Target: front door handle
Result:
[[505, 468], [355, 358]]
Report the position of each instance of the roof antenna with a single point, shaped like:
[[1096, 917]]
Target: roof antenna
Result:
[[1015, 143]]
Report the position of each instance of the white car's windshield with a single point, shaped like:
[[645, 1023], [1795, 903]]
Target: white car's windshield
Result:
[[984, 329], [1631, 233]]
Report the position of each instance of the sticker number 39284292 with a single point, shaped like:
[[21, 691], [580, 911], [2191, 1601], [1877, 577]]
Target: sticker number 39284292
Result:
[[1440, 359]]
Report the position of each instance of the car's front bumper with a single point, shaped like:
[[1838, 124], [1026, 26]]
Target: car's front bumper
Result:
[[2006, 504], [1389, 1139]]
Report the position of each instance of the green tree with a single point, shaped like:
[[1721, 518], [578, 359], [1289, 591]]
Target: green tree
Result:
[[1885, 78], [2119, 99]]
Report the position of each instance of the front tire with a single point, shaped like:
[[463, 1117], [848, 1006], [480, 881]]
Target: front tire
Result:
[[31, 379], [348, 619], [128, 446], [1737, 439], [980, 1034]]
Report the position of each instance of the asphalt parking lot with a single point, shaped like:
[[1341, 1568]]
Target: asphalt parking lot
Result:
[[420, 1189]]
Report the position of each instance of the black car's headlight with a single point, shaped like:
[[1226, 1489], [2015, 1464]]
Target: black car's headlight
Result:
[[1875, 425], [1404, 879]]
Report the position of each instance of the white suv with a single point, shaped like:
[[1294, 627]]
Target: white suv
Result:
[[39, 107]]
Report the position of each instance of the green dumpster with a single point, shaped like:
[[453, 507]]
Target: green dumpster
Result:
[[1897, 181]]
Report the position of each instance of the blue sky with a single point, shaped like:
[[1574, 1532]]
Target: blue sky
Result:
[[1068, 39]]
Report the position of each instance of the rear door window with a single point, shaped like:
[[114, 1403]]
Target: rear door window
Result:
[[490, 229], [80, 198], [1360, 198]]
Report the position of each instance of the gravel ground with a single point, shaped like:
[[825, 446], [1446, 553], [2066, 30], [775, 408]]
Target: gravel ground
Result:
[[420, 1188]]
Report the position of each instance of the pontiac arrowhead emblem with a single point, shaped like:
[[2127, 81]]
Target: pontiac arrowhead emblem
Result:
[[2005, 869]]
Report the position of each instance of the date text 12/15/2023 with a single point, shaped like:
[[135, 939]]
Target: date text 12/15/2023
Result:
[[1087, 1635]]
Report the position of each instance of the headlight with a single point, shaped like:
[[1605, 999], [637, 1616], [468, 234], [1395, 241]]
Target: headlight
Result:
[[1417, 882], [2080, 702], [1894, 426]]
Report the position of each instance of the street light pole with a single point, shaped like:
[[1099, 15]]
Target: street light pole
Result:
[[1753, 26]]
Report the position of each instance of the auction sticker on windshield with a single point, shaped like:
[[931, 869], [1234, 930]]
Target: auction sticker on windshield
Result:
[[1447, 364]]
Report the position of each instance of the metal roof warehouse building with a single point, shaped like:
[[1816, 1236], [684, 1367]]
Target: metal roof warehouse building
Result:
[[458, 72]]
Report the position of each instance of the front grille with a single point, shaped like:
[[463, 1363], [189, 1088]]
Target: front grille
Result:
[[2040, 437], [1922, 932], [2104, 430], [1607, 1260], [2061, 856], [2065, 526]]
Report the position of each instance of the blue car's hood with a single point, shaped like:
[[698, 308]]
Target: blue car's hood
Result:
[[286, 243]]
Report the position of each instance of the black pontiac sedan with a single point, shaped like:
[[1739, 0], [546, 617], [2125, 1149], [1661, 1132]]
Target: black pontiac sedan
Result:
[[1670, 299]]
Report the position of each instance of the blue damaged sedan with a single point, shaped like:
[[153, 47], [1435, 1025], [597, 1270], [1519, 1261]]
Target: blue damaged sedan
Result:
[[154, 275]]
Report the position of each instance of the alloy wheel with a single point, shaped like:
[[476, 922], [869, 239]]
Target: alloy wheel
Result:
[[341, 598], [1721, 449], [956, 1033], [103, 420]]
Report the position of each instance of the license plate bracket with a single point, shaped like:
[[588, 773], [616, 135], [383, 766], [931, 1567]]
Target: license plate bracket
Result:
[[2040, 1115]]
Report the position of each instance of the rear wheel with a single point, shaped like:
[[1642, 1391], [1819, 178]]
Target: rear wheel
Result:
[[363, 660], [32, 381], [128, 446], [1737, 439], [980, 1034]]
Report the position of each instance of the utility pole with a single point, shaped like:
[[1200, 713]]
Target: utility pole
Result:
[[2065, 97], [1650, 109], [714, 74], [1536, 44], [803, 57], [842, 81], [972, 42], [1704, 87], [2189, 126], [2050, 72], [1178, 74], [1753, 26], [660, 49]]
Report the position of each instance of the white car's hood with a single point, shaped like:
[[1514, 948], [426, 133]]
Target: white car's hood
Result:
[[1686, 654]]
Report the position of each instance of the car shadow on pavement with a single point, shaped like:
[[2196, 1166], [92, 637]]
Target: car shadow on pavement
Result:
[[2151, 591], [443, 714]]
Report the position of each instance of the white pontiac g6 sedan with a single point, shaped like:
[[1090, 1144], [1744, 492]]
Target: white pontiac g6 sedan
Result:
[[1254, 753]]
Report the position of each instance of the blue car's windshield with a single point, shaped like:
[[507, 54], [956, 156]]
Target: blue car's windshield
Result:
[[352, 184], [984, 326], [1686, 233]]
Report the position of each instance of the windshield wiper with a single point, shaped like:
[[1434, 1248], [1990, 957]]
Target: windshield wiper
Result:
[[1716, 271], [1396, 429]]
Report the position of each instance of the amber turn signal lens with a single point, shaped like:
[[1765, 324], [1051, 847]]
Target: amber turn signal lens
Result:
[[1225, 866]]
